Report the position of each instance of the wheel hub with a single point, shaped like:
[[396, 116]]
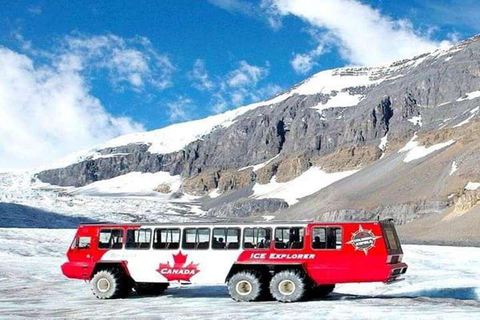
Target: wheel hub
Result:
[[244, 287], [103, 285], [286, 287]]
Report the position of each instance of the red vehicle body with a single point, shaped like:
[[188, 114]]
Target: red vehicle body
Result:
[[287, 260]]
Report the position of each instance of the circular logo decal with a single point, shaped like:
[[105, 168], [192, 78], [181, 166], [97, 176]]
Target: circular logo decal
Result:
[[363, 240]]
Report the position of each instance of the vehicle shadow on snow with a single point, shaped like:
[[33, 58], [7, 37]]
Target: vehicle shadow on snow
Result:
[[188, 291], [465, 293], [21, 216]]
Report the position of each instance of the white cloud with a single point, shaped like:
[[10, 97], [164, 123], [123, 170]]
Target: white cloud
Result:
[[263, 12], [47, 111], [131, 63], [35, 10], [199, 76], [363, 35], [237, 87], [246, 75], [179, 110], [234, 6], [302, 63]]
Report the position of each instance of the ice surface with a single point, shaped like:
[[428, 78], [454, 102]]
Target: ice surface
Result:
[[130, 203], [441, 283], [309, 182]]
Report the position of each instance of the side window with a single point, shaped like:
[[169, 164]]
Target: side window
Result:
[[196, 238], [166, 239], [138, 239], [289, 238], [110, 239], [257, 238], [327, 238], [226, 238], [81, 243]]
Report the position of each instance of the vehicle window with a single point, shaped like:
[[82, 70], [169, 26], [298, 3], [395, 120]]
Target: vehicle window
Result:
[[196, 238], [110, 239], [138, 239], [166, 239], [81, 243], [391, 239], [257, 238], [226, 238], [327, 238], [289, 238]]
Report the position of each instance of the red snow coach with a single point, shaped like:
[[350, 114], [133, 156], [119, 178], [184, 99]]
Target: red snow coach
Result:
[[286, 260]]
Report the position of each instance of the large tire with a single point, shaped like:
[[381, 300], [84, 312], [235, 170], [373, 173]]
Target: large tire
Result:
[[151, 289], [288, 286], [245, 286], [109, 284], [321, 291]]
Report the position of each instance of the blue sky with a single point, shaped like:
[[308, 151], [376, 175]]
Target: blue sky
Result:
[[113, 67]]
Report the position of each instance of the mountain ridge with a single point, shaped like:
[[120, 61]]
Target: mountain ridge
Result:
[[394, 122]]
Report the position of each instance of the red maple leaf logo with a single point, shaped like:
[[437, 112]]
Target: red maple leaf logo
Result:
[[179, 271]]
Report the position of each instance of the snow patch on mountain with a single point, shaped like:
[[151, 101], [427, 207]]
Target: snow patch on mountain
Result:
[[311, 181], [454, 168], [418, 152], [473, 113], [417, 120], [260, 165], [341, 99], [472, 185], [470, 96], [133, 184]]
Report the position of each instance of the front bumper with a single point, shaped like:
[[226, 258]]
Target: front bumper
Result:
[[77, 270]]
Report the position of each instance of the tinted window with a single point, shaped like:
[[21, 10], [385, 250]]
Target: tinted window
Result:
[[196, 238], [289, 238], [166, 239], [110, 239], [138, 239], [327, 238], [257, 238], [226, 238]]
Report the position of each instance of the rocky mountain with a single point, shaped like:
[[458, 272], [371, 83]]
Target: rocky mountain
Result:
[[399, 141]]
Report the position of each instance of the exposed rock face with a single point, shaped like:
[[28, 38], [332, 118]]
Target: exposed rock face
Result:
[[467, 200], [201, 184], [291, 168], [248, 208], [265, 174], [163, 188], [401, 213], [348, 158], [231, 180]]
